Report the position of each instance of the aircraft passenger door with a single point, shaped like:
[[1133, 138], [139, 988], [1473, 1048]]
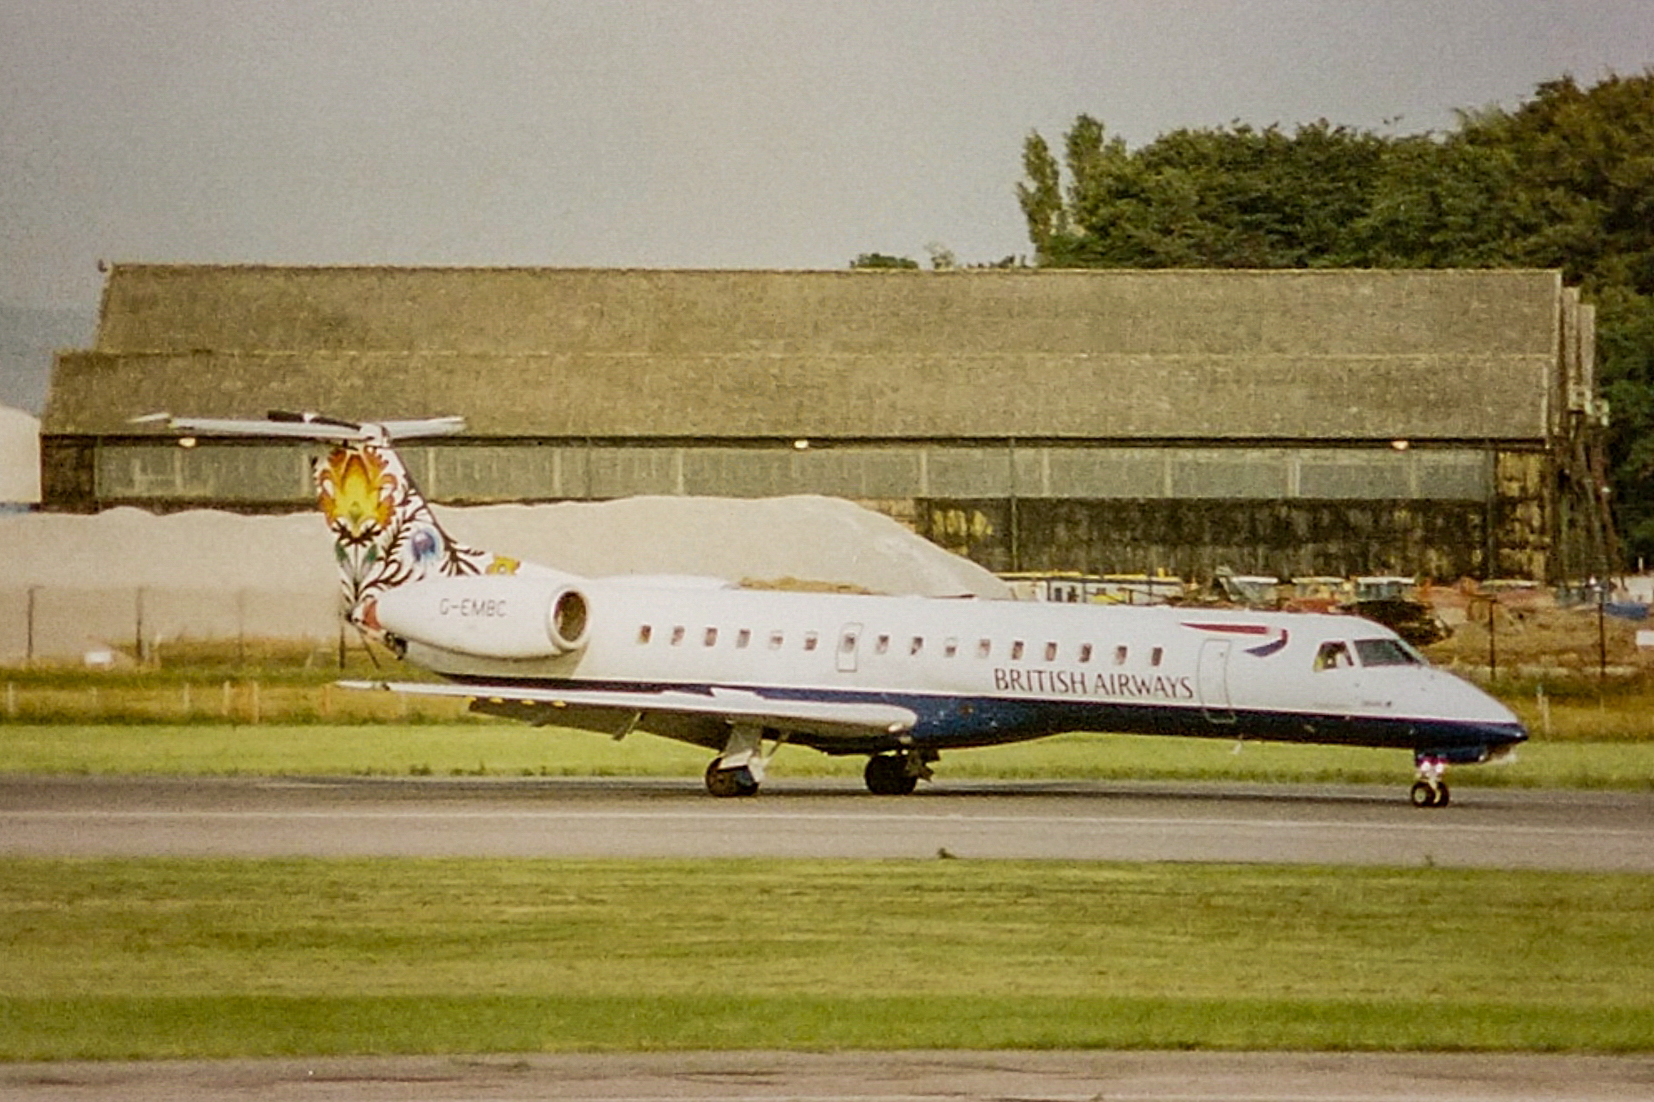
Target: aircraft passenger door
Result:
[[1212, 681], [849, 645]]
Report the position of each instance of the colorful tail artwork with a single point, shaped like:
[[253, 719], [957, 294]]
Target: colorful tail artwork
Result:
[[384, 532]]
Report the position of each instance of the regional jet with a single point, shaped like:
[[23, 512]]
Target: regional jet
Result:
[[741, 672]]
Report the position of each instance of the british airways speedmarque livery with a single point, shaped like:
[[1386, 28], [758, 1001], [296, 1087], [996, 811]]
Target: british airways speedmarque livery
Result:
[[898, 679]]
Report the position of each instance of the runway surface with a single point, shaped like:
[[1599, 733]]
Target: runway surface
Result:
[[859, 1077], [1486, 828]]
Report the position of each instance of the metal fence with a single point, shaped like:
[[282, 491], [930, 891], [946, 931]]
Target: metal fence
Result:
[[99, 625]]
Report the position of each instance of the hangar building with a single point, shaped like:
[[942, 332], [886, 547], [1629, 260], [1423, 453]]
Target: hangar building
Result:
[[1295, 422]]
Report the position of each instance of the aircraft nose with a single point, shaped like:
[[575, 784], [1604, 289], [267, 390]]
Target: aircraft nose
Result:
[[1467, 703]]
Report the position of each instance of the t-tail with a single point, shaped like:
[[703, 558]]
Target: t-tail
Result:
[[384, 532]]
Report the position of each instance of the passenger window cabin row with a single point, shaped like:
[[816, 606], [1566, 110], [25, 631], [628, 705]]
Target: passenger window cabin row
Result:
[[885, 644]]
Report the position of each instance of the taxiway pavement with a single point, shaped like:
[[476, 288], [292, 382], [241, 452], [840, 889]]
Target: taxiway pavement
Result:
[[250, 817], [858, 1077]]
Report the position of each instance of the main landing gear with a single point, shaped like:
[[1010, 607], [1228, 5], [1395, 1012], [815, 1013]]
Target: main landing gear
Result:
[[730, 782], [739, 770], [1430, 790], [897, 774]]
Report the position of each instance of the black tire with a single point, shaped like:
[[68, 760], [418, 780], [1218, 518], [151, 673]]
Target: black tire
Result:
[[887, 775], [1443, 795], [1422, 794], [728, 783]]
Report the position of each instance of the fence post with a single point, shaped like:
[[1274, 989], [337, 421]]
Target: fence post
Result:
[[28, 646]]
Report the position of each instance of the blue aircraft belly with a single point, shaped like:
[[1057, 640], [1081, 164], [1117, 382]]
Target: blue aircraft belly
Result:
[[983, 721], [946, 722]]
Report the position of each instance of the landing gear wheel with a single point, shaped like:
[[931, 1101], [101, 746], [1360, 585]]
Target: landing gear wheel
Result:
[[888, 775], [1430, 790], [1425, 794], [725, 783]]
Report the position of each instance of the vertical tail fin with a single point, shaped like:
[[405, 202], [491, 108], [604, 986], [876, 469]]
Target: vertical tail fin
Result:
[[384, 532]]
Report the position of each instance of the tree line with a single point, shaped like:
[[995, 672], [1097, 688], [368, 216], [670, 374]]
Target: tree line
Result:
[[1564, 180]]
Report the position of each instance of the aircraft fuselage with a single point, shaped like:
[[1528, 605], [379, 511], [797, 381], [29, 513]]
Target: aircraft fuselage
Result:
[[978, 672]]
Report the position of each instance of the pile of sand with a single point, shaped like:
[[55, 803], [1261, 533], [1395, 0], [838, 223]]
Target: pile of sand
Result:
[[126, 573]]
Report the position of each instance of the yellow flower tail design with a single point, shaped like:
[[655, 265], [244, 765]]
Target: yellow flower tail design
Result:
[[357, 493]]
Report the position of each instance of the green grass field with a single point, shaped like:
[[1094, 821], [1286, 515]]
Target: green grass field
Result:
[[286, 685], [506, 749], [177, 958], [150, 959]]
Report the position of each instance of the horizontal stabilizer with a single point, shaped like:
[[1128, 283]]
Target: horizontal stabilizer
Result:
[[313, 427], [736, 706]]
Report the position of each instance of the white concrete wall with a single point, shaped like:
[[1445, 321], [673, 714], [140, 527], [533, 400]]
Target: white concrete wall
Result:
[[19, 458]]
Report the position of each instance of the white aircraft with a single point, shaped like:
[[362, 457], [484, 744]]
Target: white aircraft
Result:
[[899, 679]]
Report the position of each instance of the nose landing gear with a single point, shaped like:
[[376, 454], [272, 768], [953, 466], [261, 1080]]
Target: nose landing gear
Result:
[[1430, 790]]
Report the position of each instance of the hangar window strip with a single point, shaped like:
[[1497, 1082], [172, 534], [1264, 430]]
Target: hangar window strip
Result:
[[552, 470]]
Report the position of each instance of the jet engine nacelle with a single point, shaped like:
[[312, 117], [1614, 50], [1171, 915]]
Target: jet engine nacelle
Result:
[[489, 616]]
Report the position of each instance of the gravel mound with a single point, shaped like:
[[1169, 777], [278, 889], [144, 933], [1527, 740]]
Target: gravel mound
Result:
[[209, 574]]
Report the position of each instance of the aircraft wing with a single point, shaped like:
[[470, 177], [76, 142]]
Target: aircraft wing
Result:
[[734, 705]]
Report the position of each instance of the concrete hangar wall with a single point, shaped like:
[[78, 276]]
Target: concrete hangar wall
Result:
[[1325, 422]]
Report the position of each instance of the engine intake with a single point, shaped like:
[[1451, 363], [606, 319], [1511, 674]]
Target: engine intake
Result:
[[567, 621], [490, 616]]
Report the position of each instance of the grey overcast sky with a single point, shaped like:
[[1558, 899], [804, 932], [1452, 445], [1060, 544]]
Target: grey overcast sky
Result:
[[672, 133]]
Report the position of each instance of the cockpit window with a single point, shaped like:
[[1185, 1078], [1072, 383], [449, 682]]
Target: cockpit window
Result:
[[1387, 652], [1333, 656]]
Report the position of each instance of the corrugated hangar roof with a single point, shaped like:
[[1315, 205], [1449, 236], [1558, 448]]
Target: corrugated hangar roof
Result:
[[1462, 355]]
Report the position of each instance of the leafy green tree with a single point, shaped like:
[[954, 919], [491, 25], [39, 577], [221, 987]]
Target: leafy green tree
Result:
[[880, 260], [1041, 197], [1435, 204], [1564, 180]]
